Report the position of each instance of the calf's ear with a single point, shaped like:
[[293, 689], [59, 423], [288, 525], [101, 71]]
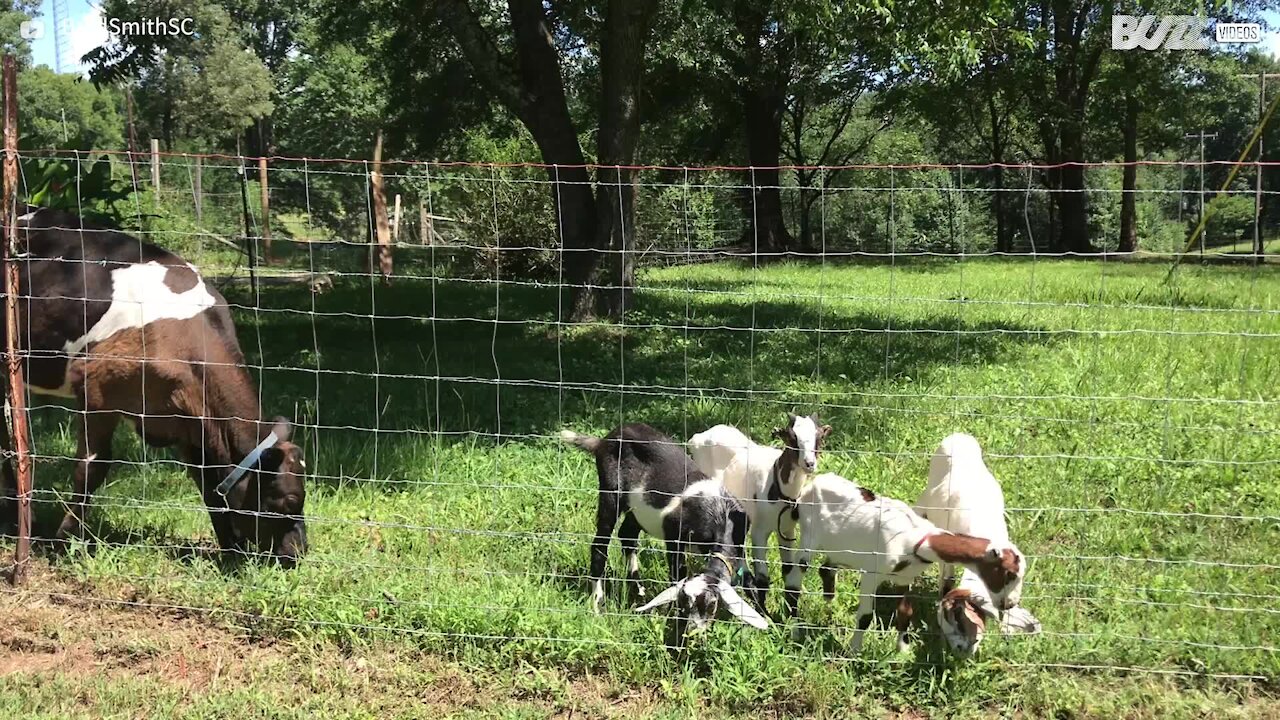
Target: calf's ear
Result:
[[282, 428]]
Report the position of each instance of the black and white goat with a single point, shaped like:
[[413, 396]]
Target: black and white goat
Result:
[[889, 543], [767, 480], [648, 481]]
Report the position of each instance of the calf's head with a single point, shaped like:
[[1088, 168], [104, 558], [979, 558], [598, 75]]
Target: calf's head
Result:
[[269, 500]]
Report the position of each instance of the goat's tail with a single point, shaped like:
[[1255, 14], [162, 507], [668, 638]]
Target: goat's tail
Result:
[[580, 441]]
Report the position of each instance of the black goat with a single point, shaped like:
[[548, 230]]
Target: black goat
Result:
[[648, 480]]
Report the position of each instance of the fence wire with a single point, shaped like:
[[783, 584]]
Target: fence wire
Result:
[[1130, 413]]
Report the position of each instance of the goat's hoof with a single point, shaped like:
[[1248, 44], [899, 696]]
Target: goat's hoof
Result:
[[904, 647]]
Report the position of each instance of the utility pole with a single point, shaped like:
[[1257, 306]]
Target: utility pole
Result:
[[1202, 135], [1257, 195]]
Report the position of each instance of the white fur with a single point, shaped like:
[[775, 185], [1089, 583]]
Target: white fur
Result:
[[650, 517], [962, 496], [138, 297], [724, 452], [883, 538], [806, 431]]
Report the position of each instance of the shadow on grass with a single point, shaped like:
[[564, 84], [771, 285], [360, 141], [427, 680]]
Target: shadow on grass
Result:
[[374, 367], [408, 375]]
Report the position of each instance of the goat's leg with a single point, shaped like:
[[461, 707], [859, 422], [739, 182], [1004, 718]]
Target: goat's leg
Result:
[[676, 566], [759, 563], [95, 455], [793, 570], [866, 609], [903, 620], [607, 510], [828, 574], [946, 577], [629, 537]]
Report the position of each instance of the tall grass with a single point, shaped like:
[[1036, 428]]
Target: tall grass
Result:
[[1132, 422]]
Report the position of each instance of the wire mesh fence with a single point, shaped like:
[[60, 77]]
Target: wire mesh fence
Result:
[[1130, 412]]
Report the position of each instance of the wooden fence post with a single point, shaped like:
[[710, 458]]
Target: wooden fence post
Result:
[[395, 221], [16, 386], [197, 189], [266, 210], [155, 167], [380, 213]]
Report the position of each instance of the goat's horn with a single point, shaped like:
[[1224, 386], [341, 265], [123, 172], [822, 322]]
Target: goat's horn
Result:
[[663, 598], [739, 608]]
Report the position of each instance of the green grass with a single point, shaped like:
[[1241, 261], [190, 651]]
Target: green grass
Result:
[[1125, 417]]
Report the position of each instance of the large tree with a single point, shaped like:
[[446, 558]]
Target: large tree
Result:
[[517, 58]]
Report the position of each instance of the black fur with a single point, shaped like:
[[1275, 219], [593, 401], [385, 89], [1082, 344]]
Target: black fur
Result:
[[636, 456]]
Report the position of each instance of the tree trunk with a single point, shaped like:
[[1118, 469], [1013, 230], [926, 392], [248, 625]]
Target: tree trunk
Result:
[[1075, 61], [532, 89], [1004, 241], [381, 227], [1128, 198], [762, 109], [1073, 208], [621, 69]]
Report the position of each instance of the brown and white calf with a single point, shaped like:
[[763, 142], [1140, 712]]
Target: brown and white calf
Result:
[[134, 333]]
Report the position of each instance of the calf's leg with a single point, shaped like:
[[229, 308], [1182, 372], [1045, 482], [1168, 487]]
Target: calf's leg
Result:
[[94, 451]]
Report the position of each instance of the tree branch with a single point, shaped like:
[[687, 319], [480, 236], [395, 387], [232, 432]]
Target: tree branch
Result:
[[487, 62]]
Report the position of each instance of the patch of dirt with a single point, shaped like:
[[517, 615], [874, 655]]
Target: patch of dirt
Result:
[[61, 628], [53, 625]]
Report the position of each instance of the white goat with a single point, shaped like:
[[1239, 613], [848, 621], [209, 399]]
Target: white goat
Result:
[[889, 543], [766, 480], [962, 496]]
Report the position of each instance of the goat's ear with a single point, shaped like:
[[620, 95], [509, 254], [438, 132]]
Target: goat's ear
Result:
[[282, 428], [666, 597], [739, 608]]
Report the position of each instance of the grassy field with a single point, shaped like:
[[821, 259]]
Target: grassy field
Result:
[[1133, 423]]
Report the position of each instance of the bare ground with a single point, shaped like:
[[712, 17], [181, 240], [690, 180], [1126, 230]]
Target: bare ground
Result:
[[55, 632]]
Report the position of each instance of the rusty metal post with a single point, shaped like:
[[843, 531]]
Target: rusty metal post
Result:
[[16, 387]]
